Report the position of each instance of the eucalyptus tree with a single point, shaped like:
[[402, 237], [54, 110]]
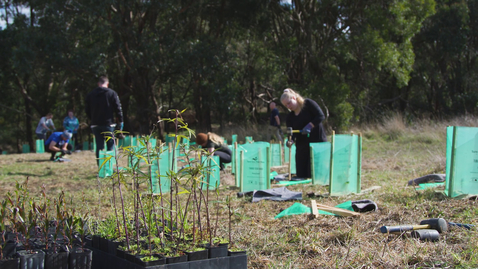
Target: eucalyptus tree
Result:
[[42, 61], [222, 66], [348, 52], [445, 76]]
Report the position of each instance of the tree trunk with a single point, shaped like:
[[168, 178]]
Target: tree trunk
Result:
[[28, 124]]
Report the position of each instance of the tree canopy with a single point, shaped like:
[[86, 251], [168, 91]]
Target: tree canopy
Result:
[[224, 60]]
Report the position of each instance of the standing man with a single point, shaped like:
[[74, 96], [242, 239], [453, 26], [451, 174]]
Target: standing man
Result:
[[274, 124], [101, 105], [44, 126]]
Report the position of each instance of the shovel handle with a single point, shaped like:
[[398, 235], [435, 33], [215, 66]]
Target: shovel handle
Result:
[[402, 228]]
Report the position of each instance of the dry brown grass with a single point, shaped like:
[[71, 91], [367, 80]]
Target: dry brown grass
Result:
[[393, 153]]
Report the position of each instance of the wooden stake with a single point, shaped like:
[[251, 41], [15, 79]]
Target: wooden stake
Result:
[[315, 212], [331, 209], [290, 162]]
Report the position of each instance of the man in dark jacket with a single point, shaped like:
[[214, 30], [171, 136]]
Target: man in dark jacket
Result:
[[274, 124], [101, 105]]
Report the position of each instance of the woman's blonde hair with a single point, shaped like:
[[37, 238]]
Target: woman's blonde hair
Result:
[[215, 138], [288, 93]]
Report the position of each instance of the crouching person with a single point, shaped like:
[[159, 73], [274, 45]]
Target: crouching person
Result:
[[214, 143], [58, 142]]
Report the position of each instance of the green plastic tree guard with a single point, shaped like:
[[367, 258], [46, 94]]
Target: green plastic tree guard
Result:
[[234, 155], [169, 138], [298, 208], [254, 167], [120, 142], [345, 164], [161, 168], [213, 172], [461, 161], [107, 159], [26, 148], [127, 141], [276, 155], [160, 171], [236, 160], [142, 150], [293, 169], [320, 160], [424, 186], [294, 182], [40, 146], [345, 205], [295, 209]]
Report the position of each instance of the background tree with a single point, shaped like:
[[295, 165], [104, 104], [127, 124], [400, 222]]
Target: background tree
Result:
[[225, 60]]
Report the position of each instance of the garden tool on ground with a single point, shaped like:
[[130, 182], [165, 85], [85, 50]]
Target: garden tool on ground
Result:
[[461, 225], [438, 224], [426, 235]]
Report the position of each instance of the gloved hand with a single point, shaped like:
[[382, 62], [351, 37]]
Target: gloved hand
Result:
[[289, 143], [64, 151], [121, 126], [307, 129]]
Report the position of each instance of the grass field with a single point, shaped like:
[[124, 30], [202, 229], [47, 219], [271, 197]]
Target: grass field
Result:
[[393, 154]]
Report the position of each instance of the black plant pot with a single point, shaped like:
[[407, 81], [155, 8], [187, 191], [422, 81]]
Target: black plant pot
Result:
[[236, 253], [197, 255], [31, 260], [120, 254], [56, 260], [9, 249], [88, 241], [11, 263], [238, 262], [103, 260], [219, 263], [176, 259], [10, 236], [129, 257], [113, 262], [80, 259], [113, 246], [161, 260], [95, 241], [217, 251], [103, 244]]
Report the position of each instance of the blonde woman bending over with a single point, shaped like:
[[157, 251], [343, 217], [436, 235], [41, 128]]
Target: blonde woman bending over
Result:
[[307, 117], [214, 143]]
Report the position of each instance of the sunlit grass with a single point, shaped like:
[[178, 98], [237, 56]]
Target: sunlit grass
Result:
[[393, 153]]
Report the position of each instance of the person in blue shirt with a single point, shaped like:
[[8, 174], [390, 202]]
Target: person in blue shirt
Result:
[[58, 142], [45, 125], [71, 124]]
